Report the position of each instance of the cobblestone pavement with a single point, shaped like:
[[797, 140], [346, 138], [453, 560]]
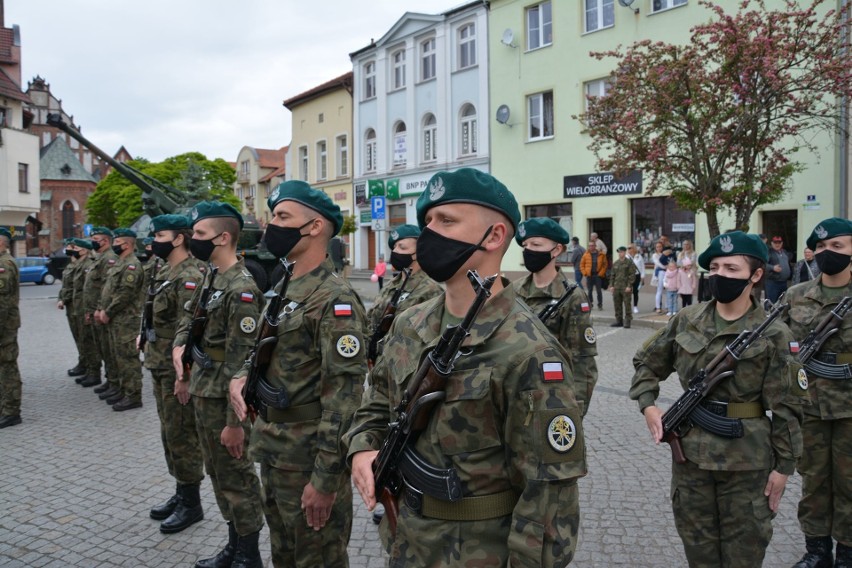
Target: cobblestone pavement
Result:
[[77, 479]]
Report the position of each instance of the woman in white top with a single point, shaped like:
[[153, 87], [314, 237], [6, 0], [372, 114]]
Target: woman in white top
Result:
[[659, 274], [639, 261], [688, 252]]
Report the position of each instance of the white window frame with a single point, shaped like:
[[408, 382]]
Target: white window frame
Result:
[[536, 117], [467, 45], [430, 138], [428, 59], [303, 163], [540, 30], [595, 88], [370, 154], [399, 129], [322, 160], [663, 5], [397, 69], [342, 143], [468, 132], [600, 9], [369, 80]]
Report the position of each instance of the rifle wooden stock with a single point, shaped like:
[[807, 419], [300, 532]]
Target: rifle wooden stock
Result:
[[199, 320]]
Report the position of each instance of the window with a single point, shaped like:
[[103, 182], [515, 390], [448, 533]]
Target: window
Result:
[[658, 5], [399, 145], [427, 59], [322, 160], [562, 214], [597, 88], [540, 115], [398, 69], [468, 131], [67, 220], [467, 46], [23, 178], [539, 26], [244, 170], [303, 163], [653, 216], [342, 156], [321, 118], [252, 191], [4, 117], [370, 151], [599, 14], [430, 133], [369, 80]]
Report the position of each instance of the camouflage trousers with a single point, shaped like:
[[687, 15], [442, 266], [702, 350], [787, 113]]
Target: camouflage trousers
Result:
[[825, 466], [10, 376], [294, 543], [623, 306], [88, 349], [722, 517], [104, 353], [177, 430], [234, 481], [128, 367], [74, 326]]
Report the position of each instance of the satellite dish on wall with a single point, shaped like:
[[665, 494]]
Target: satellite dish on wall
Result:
[[508, 37], [503, 114], [626, 3]]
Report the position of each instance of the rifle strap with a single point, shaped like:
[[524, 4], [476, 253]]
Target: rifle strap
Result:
[[164, 334], [735, 409], [477, 508], [215, 354], [301, 413]]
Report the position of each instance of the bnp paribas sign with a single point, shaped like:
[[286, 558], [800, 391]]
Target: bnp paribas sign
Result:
[[602, 184]]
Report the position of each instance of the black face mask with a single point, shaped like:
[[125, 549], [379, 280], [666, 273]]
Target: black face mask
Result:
[[401, 261], [72, 253], [831, 262], [536, 260], [118, 249], [202, 249], [102, 246], [281, 240], [725, 289], [441, 257], [162, 249]]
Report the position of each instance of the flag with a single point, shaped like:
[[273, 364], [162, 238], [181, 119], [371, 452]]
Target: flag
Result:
[[247, 297], [341, 310], [552, 372]]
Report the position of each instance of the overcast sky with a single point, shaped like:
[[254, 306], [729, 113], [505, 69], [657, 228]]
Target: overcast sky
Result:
[[164, 77]]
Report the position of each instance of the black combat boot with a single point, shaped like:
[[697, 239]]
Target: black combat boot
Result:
[[225, 558], [187, 512], [844, 556], [248, 553], [103, 388], [818, 553], [115, 399], [91, 382], [80, 379], [126, 404], [162, 512], [77, 370], [109, 393]]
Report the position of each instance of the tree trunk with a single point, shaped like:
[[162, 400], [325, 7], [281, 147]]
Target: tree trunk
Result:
[[712, 222]]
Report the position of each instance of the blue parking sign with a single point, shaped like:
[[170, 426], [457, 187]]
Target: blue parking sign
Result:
[[377, 207], [87, 230]]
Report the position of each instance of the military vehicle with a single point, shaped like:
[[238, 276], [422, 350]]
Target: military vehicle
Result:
[[159, 198]]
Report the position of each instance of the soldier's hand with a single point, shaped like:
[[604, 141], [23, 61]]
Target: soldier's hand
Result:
[[232, 438], [177, 360], [653, 418], [775, 489], [104, 318], [362, 475], [138, 343], [182, 392], [235, 393], [317, 506], [60, 305]]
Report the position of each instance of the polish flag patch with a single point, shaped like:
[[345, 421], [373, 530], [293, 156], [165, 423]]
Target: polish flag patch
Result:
[[190, 285], [584, 307], [247, 297], [552, 372], [341, 310], [794, 347], [131, 267]]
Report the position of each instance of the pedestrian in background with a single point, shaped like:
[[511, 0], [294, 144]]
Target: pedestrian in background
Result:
[[659, 276], [686, 282], [576, 256], [806, 269], [380, 271], [778, 270], [670, 284], [10, 376], [593, 265], [639, 261]]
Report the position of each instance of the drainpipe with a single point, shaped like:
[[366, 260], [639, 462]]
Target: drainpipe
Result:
[[844, 128]]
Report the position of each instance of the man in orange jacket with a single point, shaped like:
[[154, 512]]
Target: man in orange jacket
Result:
[[593, 266]]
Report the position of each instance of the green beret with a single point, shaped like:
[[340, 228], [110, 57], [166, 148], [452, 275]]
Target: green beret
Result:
[[67, 241], [828, 229], [101, 231], [402, 232], [170, 222], [209, 209], [542, 227], [147, 241], [301, 192], [468, 185], [83, 243], [732, 244], [4, 232], [124, 233]]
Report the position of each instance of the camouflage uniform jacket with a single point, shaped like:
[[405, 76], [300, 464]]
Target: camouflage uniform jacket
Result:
[[121, 296], [809, 303], [66, 293], [78, 304], [493, 426], [571, 325], [623, 274], [96, 278], [320, 356], [766, 373], [174, 287], [232, 316], [10, 313]]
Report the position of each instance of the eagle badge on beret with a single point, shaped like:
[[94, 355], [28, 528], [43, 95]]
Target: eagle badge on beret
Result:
[[394, 235], [194, 213], [561, 433], [726, 244], [275, 194], [820, 231], [437, 190], [522, 231]]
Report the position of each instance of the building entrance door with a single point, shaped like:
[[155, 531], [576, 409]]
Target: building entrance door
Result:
[[603, 227], [785, 225]]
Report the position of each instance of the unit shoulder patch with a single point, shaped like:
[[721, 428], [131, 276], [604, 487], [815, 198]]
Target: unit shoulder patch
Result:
[[590, 336], [561, 433], [348, 346], [802, 379], [248, 324]]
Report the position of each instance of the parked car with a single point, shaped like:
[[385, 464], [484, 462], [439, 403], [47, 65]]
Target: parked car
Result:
[[35, 269]]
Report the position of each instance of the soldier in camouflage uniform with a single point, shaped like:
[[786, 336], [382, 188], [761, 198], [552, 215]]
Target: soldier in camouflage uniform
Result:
[[726, 494], [10, 376], [104, 258], [120, 306], [825, 510], [65, 298], [509, 425], [544, 240], [88, 350], [233, 310], [623, 275], [172, 288], [319, 361]]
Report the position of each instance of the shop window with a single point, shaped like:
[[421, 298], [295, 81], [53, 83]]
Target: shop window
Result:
[[652, 217]]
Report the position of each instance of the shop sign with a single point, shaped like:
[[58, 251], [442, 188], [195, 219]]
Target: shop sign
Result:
[[602, 184]]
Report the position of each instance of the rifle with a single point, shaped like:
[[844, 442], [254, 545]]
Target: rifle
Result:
[[261, 355], [677, 420], [146, 330], [827, 327], [424, 392], [553, 306], [386, 321], [192, 351]]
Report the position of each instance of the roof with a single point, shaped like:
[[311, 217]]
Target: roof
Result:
[[277, 173], [59, 162], [8, 88], [270, 158], [342, 82]]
